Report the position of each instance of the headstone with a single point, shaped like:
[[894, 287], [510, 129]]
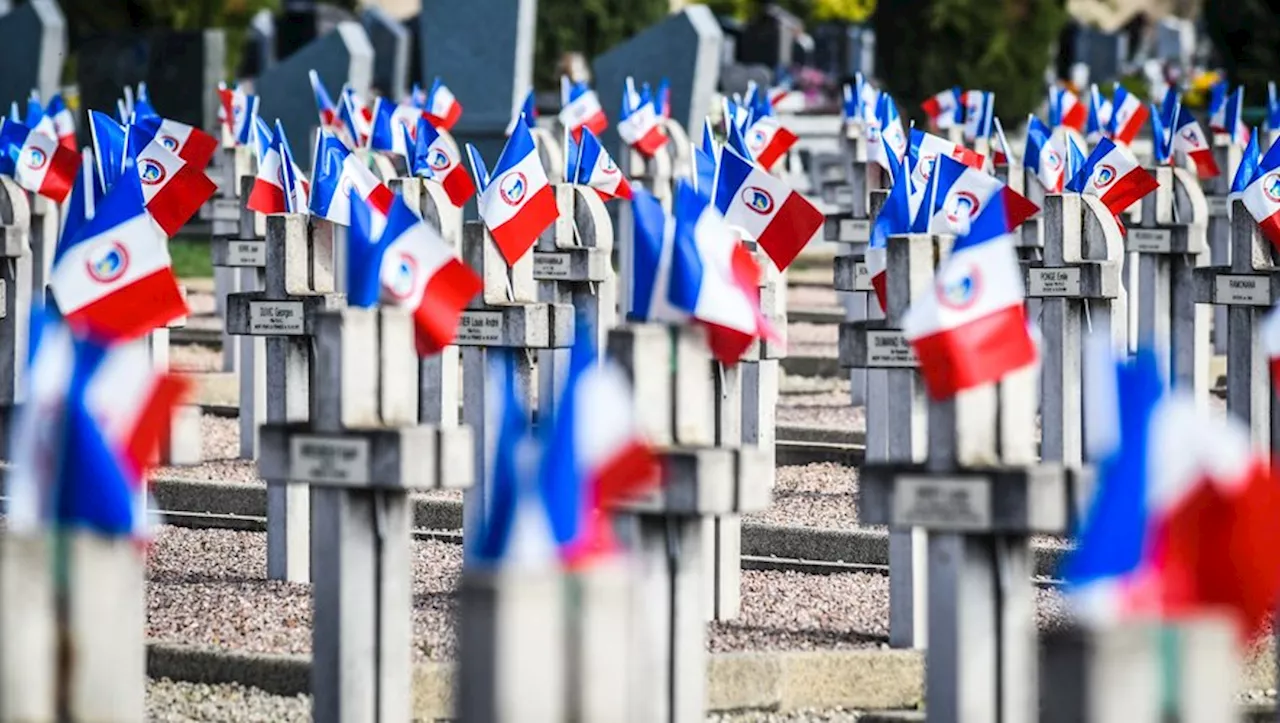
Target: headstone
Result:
[[33, 49], [1227, 155], [259, 50], [684, 48], [770, 38], [15, 292], [342, 56], [302, 22], [390, 42], [483, 50]]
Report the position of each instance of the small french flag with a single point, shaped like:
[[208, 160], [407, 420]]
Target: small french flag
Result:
[[64, 123], [409, 267], [187, 142], [1262, 196], [979, 109], [526, 115], [580, 108], [970, 327], [594, 167], [924, 151], [436, 153], [335, 173], [1112, 174], [38, 162], [172, 189], [960, 194], [1236, 128], [441, 106], [1065, 109], [638, 123], [944, 109], [767, 139], [114, 279], [894, 219], [272, 192], [1191, 140], [244, 110], [651, 270], [1043, 157], [1218, 107], [516, 202], [776, 217]]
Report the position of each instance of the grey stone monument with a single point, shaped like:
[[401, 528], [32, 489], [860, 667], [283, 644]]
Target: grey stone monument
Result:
[[390, 42], [33, 50]]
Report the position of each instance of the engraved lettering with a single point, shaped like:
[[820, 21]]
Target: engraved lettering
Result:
[[272, 318]]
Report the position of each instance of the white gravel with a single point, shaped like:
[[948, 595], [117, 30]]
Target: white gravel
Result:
[[194, 358], [179, 702]]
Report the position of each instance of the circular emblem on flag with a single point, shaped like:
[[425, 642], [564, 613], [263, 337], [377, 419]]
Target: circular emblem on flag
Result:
[[280, 177], [895, 140], [964, 208], [873, 133], [961, 287], [513, 187], [1103, 176], [757, 199], [609, 168], [403, 277], [439, 160], [757, 139], [107, 262], [926, 166], [151, 172], [36, 158], [1189, 133], [169, 142], [1271, 187], [1053, 160]]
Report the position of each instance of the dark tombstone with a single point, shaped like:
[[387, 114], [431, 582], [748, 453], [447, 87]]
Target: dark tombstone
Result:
[[284, 90], [302, 21], [770, 38], [390, 52], [259, 50], [482, 50], [684, 48], [737, 78], [32, 51], [412, 27], [1102, 52], [731, 30], [168, 61]]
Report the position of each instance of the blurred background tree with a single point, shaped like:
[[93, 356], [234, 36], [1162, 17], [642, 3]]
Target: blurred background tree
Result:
[[1246, 41], [1003, 46], [589, 27]]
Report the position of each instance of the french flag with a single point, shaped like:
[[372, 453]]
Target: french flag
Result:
[[329, 119], [1102, 110], [705, 161], [409, 267], [979, 109], [1246, 172], [526, 116], [595, 168], [244, 110], [961, 194], [356, 114], [1182, 520], [924, 151], [172, 189], [662, 99], [580, 108], [970, 328], [638, 123], [388, 118], [38, 162], [442, 108], [1095, 129], [1218, 107], [1236, 128], [187, 142], [435, 150], [336, 171], [1191, 140], [114, 279], [714, 278], [1043, 157], [274, 190], [651, 268], [894, 219], [1112, 174], [1161, 143], [889, 137], [944, 109], [517, 202], [767, 139], [1065, 109], [1262, 195], [1128, 117], [779, 219], [64, 122], [594, 455]]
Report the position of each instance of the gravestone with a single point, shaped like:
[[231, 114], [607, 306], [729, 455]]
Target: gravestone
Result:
[[483, 50], [15, 292], [770, 38], [684, 48], [390, 42], [33, 51], [259, 50], [302, 22], [182, 70], [343, 56], [1227, 155]]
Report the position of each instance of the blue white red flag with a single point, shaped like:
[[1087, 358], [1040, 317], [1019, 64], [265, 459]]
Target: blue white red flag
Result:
[[1065, 109], [765, 208], [594, 167], [894, 219], [767, 139], [64, 122], [526, 115], [979, 110], [958, 195], [435, 152], [517, 202], [1112, 174], [1236, 128], [1218, 107], [172, 189], [945, 109], [1043, 157], [651, 266], [1189, 138], [1262, 195], [279, 186], [638, 123], [1128, 117], [336, 172], [580, 108], [38, 163], [108, 147], [442, 108]]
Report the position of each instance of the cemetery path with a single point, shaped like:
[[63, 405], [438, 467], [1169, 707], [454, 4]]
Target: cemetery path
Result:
[[180, 702]]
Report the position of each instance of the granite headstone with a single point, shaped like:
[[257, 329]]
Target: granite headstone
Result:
[[390, 52], [33, 48]]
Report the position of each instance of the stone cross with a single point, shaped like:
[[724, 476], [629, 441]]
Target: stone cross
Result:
[[298, 287], [1227, 155], [15, 291], [362, 453]]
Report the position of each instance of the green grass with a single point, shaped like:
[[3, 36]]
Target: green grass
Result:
[[190, 257]]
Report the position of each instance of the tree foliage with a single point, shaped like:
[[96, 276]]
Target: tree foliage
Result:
[[1246, 40], [589, 27], [924, 46]]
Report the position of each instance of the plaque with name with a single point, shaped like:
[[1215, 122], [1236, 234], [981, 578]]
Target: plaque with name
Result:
[[942, 503], [1242, 290], [479, 328], [889, 349], [276, 317], [247, 253], [861, 277], [551, 265], [1150, 240], [329, 460], [855, 230], [1054, 282], [226, 209], [1217, 206]]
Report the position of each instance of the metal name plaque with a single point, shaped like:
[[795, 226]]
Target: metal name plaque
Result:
[[890, 349], [1150, 240], [942, 503], [247, 253], [276, 317], [329, 460], [1217, 206], [1054, 282], [479, 328], [1242, 290], [551, 265], [854, 230], [861, 277]]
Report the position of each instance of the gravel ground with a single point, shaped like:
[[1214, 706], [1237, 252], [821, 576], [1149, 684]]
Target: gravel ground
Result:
[[178, 702], [812, 296], [207, 588], [814, 495], [201, 303], [194, 358]]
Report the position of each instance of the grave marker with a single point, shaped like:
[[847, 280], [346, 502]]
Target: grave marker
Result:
[[34, 50], [390, 42], [15, 297], [1227, 155]]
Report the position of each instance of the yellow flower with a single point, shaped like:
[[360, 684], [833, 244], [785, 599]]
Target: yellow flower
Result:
[[850, 11]]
